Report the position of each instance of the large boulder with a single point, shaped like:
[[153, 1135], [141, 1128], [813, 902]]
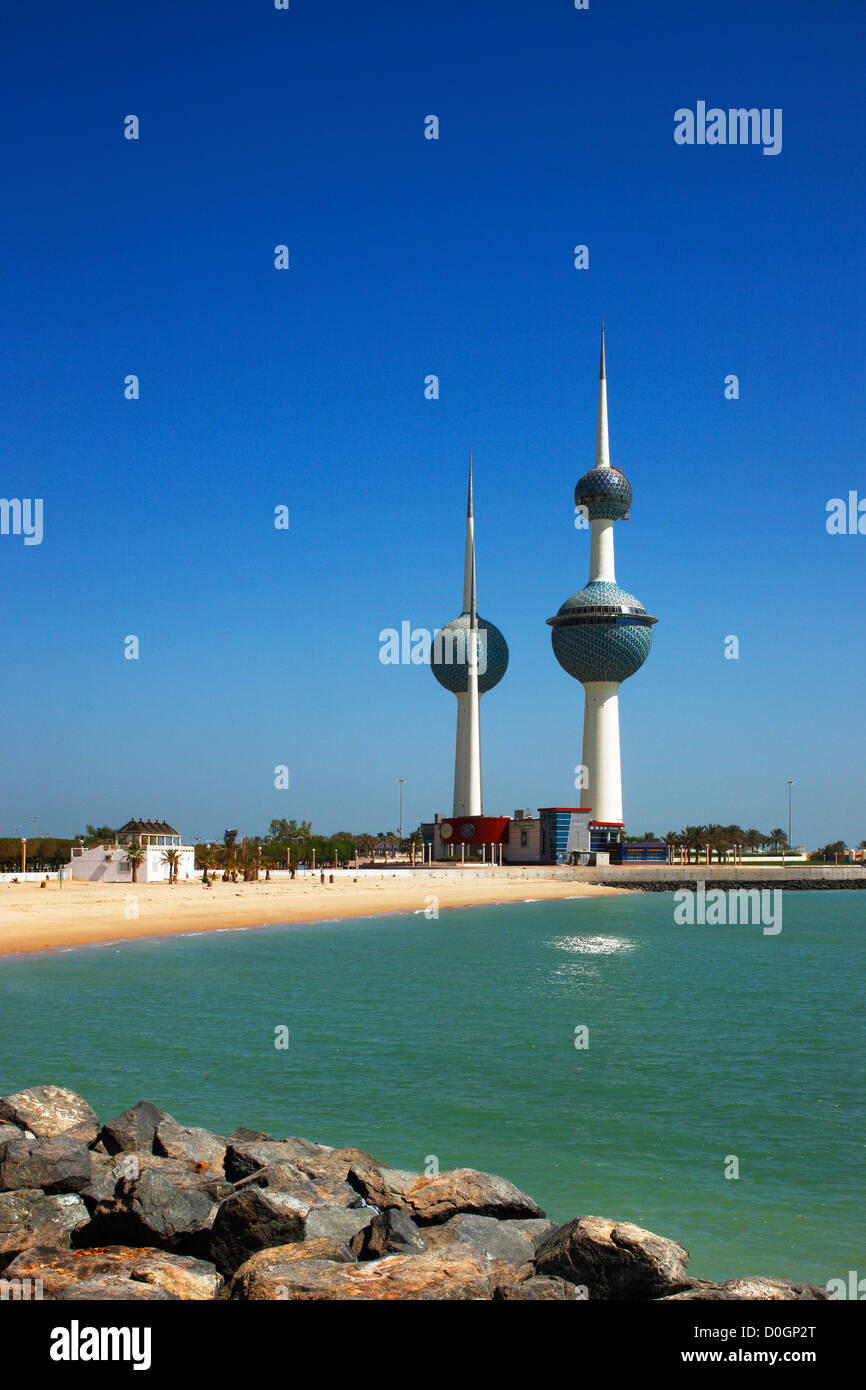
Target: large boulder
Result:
[[754, 1286], [179, 1275], [316, 1190], [247, 1152], [539, 1288], [244, 1135], [153, 1210], [247, 1156], [56, 1164], [13, 1132], [337, 1223], [509, 1242], [391, 1232], [105, 1287], [613, 1260], [507, 1246], [134, 1130], [109, 1170], [28, 1218], [262, 1270], [256, 1218], [47, 1110], [253, 1219], [453, 1276], [172, 1140], [432, 1200]]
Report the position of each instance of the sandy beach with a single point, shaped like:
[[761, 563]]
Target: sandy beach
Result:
[[78, 914]]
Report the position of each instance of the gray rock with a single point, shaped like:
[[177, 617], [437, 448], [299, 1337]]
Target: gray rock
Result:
[[243, 1135], [753, 1287], [104, 1288], [539, 1288], [511, 1242], [108, 1171], [87, 1132], [46, 1110], [151, 1210], [245, 1157], [451, 1277], [613, 1260], [28, 1218], [337, 1223], [181, 1275], [432, 1200], [391, 1232], [263, 1271], [195, 1145], [54, 1163], [253, 1219], [317, 1191], [134, 1130]]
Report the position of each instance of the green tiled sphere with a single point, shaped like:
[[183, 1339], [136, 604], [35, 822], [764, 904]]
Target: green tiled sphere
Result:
[[606, 494], [601, 633], [454, 675]]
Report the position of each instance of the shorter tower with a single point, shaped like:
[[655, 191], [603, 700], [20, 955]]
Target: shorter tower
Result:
[[602, 635], [469, 657]]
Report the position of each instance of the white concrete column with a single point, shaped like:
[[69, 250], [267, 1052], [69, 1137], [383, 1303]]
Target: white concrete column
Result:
[[601, 551], [601, 751], [467, 758]]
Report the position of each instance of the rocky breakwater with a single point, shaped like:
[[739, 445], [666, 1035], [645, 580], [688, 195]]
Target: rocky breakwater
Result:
[[143, 1207]]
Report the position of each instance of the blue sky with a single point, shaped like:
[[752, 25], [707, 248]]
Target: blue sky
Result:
[[305, 388]]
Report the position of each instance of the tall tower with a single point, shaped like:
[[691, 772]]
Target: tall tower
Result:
[[469, 668], [602, 634]]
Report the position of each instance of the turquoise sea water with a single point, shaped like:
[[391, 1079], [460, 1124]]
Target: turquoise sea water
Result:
[[455, 1038]]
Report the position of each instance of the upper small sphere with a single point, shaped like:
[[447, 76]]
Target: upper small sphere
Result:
[[606, 494], [448, 658]]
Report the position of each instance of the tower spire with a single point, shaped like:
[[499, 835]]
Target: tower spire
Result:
[[602, 442], [473, 802], [469, 564]]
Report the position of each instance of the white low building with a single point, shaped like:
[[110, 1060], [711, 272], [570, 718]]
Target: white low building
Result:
[[109, 863]]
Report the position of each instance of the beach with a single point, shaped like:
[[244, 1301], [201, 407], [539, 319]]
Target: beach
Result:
[[33, 918]]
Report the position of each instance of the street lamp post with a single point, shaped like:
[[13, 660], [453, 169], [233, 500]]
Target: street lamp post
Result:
[[401, 780], [790, 785]]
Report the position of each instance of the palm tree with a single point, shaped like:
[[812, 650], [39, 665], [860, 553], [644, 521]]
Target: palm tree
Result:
[[694, 838], [778, 838], [753, 839], [171, 857], [135, 855]]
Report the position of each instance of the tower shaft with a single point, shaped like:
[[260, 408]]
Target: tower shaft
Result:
[[467, 758], [601, 756], [601, 563]]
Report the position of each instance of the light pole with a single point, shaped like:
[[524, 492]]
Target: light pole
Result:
[[790, 785], [401, 780]]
